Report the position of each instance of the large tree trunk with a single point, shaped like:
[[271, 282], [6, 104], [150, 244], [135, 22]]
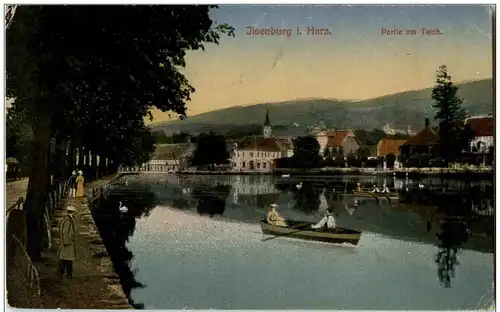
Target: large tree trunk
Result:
[[94, 166], [72, 157], [38, 185], [100, 166], [58, 165]]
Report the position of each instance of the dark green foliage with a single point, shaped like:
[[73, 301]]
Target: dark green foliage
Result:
[[181, 137], [391, 158], [18, 135], [286, 162], [453, 235], [367, 137], [327, 153], [307, 198], [329, 162], [306, 152], [451, 115], [363, 152], [353, 161], [239, 132], [90, 74], [211, 200], [490, 156], [161, 138], [115, 231], [339, 161], [210, 150], [418, 160], [372, 163]]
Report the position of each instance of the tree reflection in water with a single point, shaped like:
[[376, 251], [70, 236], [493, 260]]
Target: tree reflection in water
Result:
[[454, 234], [116, 229], [211, 200], [307, 198]]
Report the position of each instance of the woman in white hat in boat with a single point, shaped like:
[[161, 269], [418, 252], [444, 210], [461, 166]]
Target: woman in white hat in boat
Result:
[[358, 187], [67, 235], [274, 218], [79, 184]]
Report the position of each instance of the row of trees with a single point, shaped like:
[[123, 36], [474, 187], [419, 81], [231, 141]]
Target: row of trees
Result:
[[365, 137], [234, 132], [84, 77]]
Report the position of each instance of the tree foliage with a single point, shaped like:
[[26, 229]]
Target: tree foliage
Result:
[[367, 137], [90, 74], [327, 153], [306, 152], [211, 149], [451, 116], [391, 159], [19, 135]]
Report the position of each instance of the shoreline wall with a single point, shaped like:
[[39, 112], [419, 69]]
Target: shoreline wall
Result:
[[101, 257]]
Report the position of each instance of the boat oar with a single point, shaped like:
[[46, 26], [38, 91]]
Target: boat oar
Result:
[[300, 228], [376, 197]]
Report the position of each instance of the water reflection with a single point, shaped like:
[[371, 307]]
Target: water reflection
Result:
[[211, 200], [116, 229], [306, 198], [454, 234], [450, 214]]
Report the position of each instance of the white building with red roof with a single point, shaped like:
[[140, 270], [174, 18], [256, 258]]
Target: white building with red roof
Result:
[[257, 153], [483, 128]]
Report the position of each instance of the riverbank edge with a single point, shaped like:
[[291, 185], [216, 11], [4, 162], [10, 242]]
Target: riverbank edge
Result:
[[116, 298], [90, 242], [410, 173]]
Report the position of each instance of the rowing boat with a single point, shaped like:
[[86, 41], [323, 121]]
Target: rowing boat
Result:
[[303, 230], [391, 196]]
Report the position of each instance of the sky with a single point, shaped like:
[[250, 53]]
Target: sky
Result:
[[354, 61]]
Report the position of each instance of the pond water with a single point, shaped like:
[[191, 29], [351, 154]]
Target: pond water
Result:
[[195, 242]]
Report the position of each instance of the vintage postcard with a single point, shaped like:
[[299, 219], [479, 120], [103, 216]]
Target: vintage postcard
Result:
[[268, 157]]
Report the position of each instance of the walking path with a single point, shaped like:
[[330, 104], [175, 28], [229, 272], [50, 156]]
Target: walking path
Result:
[[14, 190], [94, 284]]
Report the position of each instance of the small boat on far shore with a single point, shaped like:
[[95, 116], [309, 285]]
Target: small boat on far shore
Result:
[[303, 230]]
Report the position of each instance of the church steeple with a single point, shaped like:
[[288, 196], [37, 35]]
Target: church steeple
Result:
[[268, 122], [267, 126]]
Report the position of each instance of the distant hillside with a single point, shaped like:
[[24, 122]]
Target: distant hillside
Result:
[[400, 110]]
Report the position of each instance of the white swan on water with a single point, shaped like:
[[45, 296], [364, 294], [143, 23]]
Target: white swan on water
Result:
[[299, 186], [123, 209]]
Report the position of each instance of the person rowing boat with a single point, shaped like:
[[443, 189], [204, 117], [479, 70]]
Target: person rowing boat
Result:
[[385, 189], [327, 220], [375, 189], [274, 218]]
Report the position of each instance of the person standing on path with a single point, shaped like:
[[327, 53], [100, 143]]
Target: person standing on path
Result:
[[72, 185], [67, 235], [79, 184]]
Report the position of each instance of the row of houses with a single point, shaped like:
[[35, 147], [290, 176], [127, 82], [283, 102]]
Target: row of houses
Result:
[[257, 153]]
